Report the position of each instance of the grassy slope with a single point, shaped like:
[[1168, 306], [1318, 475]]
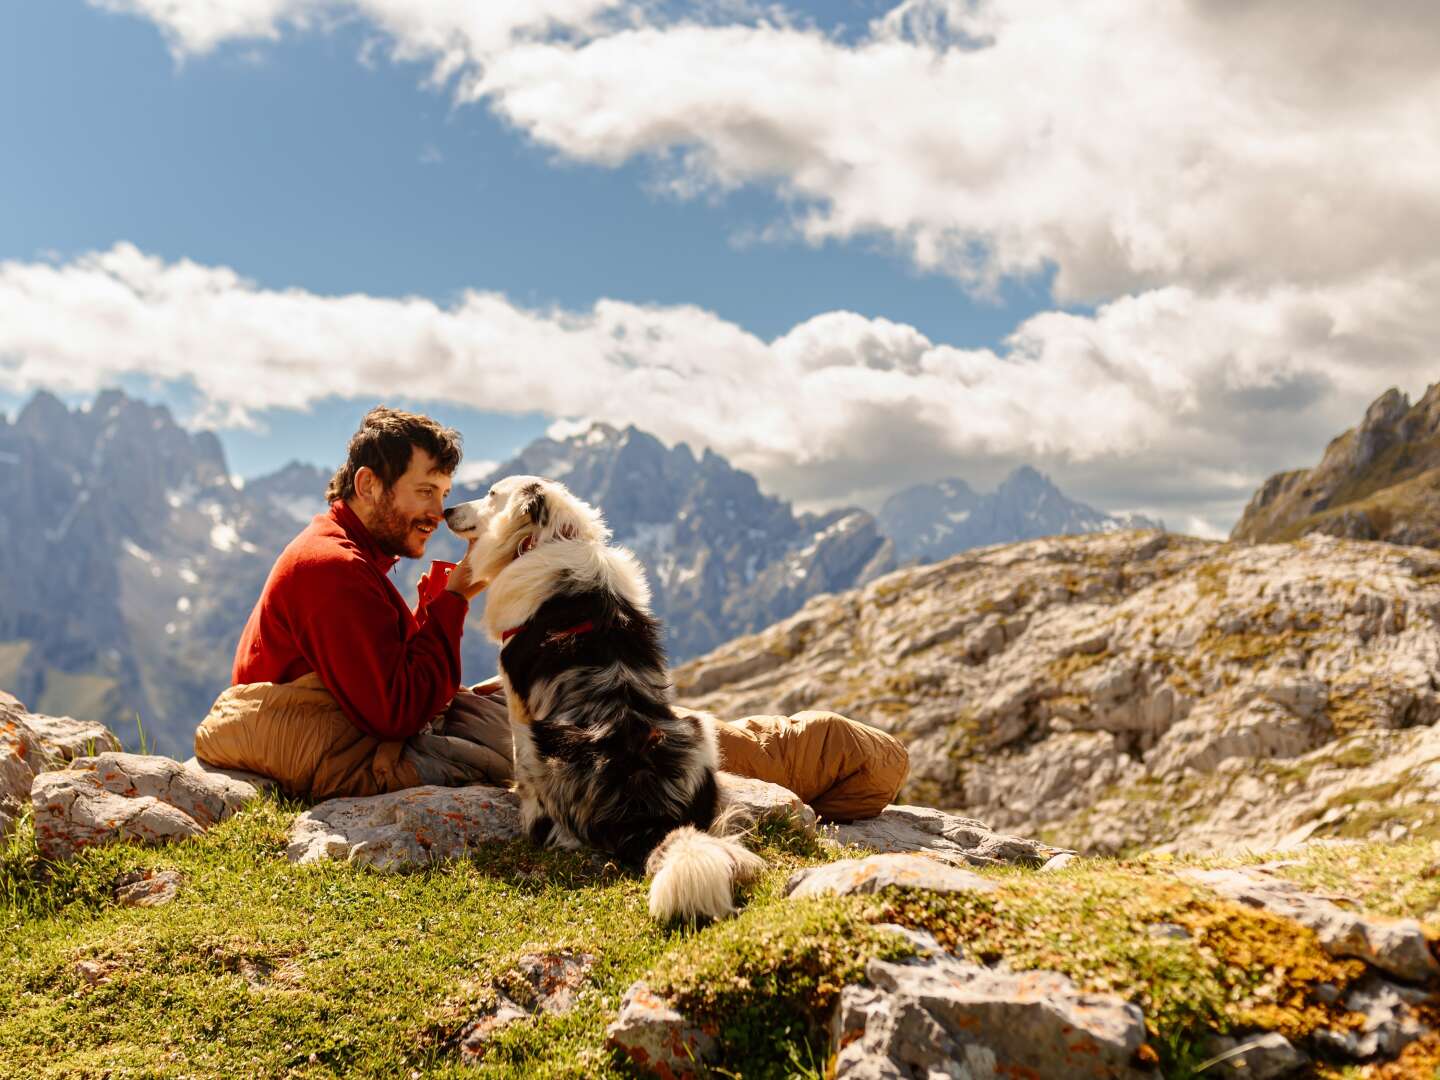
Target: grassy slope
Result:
[[261, 968]]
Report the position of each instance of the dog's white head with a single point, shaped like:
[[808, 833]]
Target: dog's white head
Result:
[[521, 513]]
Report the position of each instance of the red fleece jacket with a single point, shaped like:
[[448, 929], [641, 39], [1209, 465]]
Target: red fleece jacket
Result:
[[328, 607]]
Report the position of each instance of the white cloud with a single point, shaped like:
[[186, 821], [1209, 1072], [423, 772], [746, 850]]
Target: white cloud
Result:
[[1128, 145], [1172, 401]]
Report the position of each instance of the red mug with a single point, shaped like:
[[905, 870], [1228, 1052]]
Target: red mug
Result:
[[434, 580]]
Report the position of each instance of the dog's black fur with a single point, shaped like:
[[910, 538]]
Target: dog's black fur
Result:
[[622, 746]]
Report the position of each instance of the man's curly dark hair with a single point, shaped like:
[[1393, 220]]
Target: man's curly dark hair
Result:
[[385, 442]]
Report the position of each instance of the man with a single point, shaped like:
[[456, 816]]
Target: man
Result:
[[331, 628], [340, 689]]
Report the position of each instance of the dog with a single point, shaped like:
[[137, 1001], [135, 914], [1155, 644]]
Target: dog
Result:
[[601, 760]]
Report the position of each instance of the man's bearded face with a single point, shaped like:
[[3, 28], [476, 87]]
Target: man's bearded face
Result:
[[405, 515], [401, 533]]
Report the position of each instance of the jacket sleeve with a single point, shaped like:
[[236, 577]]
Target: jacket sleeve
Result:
[[349, 629]]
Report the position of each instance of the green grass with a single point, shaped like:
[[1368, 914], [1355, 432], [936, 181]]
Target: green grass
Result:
[[262, 968]]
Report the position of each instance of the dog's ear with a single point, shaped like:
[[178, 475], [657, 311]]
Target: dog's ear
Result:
[[534, 505]]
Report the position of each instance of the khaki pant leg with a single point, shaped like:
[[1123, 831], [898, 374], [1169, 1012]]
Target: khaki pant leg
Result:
[[844, 769], [470, 744]]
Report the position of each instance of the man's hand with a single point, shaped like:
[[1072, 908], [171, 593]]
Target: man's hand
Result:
[[462, 578]]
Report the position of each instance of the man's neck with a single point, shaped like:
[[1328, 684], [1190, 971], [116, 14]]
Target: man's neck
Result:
[[368, 540]]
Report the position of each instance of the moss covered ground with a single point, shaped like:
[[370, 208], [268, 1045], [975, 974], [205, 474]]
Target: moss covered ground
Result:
[[262, 968]]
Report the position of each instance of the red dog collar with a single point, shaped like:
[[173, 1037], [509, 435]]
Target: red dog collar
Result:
[[579, 628]]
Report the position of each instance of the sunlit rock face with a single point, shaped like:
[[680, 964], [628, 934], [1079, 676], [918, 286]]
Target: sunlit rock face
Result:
[[1134, 689]]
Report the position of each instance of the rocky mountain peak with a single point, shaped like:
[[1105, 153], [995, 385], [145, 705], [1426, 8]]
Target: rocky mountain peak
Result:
[[1378, 481], [934, 521]]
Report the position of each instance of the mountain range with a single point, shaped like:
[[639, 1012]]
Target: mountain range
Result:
[[130, 557]]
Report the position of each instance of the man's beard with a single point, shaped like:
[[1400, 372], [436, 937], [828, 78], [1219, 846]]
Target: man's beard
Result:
[[391, 529]]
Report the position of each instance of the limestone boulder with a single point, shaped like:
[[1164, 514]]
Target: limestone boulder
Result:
[[937, 1014], [850, 877], [66, 738], [74, 810], [406, 829], [657, 1038], [946, 837], [1390, 1020], [1266, 1056], [758, 801], [128, 797]]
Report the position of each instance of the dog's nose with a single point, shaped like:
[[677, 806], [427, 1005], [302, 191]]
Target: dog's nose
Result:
[[448, 511]]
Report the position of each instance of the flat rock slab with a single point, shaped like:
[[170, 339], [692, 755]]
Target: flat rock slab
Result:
[[927, 1017], [956, 840], [127, 797], [759, 801], [406, 829], [209, 798], [656, 1037], [66, 738], [147, 888], [255, 780], [870, 875], [1396, 946]]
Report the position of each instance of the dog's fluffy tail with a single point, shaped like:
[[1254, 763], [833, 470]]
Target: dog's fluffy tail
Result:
[[693, 875]]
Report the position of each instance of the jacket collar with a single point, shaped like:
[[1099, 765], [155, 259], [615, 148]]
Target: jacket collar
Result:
[[355, 529]]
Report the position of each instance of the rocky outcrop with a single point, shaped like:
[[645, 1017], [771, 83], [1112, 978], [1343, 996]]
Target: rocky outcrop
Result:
[[128, 797], [931, 1015], [32, 744], [1395, 946], [944, 837], [1132, 690], [1377, 481], [405, 829], [852, 877], [657, 1038]]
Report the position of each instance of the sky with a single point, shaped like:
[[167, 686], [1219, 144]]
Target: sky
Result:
[[1159, 251]]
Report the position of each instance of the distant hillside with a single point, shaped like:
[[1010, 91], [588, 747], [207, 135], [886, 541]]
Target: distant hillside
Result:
[[929, 522], [1378, 481]]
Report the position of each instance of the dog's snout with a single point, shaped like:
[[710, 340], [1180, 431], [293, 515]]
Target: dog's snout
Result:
[[450, 510]]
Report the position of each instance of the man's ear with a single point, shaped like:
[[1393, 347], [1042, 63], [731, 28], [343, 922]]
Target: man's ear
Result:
[[367, 483]]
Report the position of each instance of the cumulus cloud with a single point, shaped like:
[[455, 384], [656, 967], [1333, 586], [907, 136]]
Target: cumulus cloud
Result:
[[1172, 400], [1196, 142]]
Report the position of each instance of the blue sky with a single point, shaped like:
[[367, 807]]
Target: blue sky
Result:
[[299, 166], [1151, 250]]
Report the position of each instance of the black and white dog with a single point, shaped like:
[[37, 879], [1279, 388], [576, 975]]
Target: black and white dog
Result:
[[600, 758]]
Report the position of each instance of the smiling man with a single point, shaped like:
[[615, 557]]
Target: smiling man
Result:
[[331, 629]]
